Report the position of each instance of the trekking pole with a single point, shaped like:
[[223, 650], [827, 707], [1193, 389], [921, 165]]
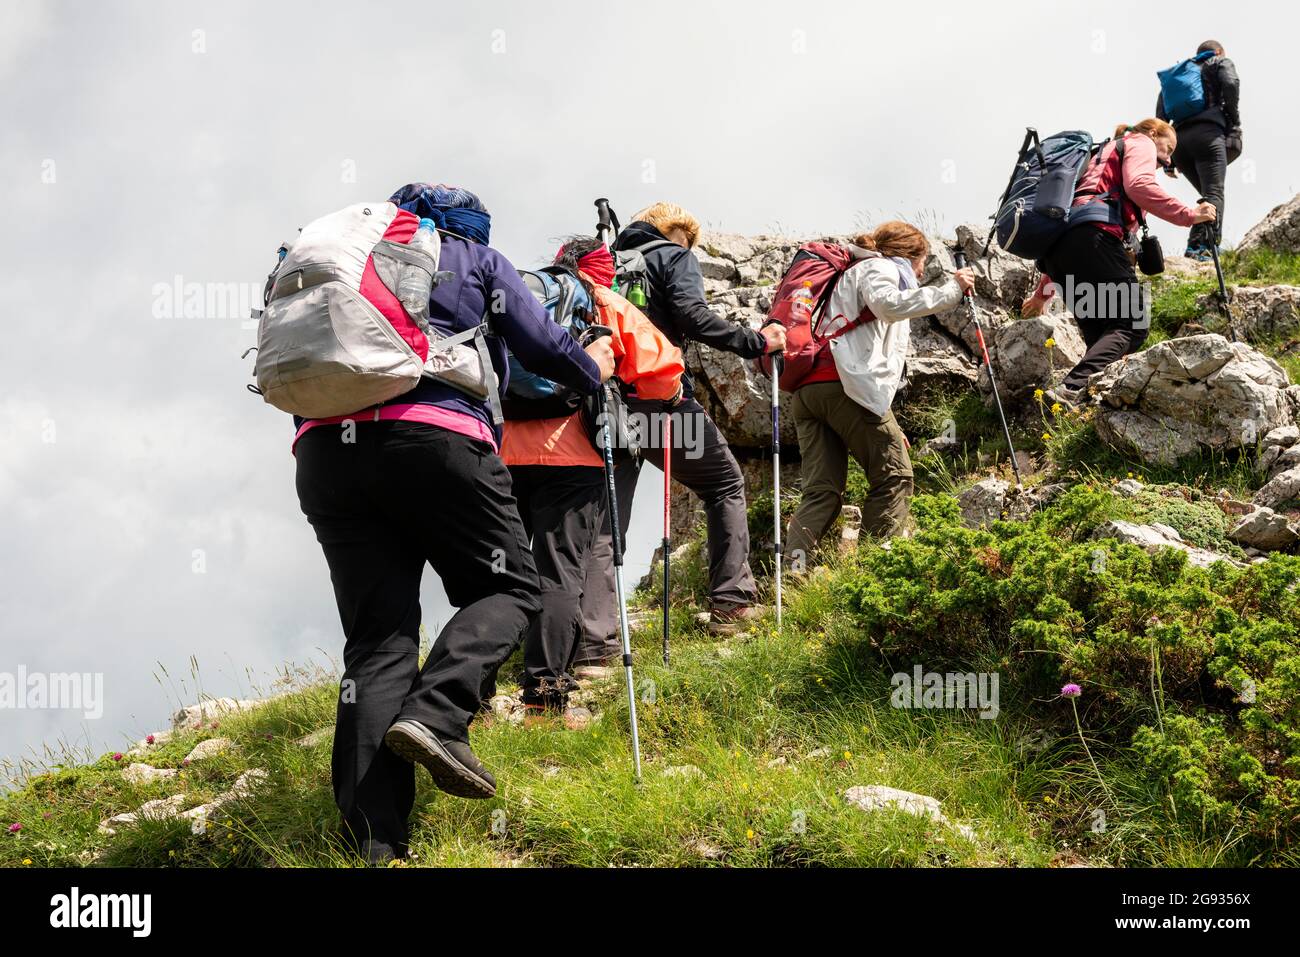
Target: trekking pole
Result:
[[668, 472], [607, 225], [1218, 272], [616, 534], [959, 257], [777, 363]]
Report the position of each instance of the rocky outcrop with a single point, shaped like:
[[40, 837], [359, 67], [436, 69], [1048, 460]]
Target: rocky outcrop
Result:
[[1283, 487], [1259, 313], [1265, 530], [1156, 536], [994, 499], [1187, 394], [1279, 230], [197, 715]]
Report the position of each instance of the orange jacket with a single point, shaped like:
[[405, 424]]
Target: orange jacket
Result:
[[643, 358]]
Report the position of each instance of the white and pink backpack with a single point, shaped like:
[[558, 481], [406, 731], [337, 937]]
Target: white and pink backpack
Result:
[[335, 338]]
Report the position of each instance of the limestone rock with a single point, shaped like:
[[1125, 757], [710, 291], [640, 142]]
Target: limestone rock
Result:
[[1264, 529], [207, 749], [1155, 536], [244, 785], [508, 708], [1279, 230], [146, 774], [983, 502], [1259, 313], [715, 267], [159, 810], [199, 714], [877, 797], [1022, 359], [995, 499], [1182, 395], [1283, 487]]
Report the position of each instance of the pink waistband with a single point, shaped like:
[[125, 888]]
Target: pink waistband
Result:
[[459, 422]]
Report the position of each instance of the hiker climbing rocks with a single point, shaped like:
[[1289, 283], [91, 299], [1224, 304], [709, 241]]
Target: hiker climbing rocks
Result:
[[415, 480], [852, 371], [1092, 264], [559, 479], [1199, 96], [674, 288]]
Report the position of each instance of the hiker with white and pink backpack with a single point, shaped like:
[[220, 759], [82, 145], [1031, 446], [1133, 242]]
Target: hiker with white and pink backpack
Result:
[[846, 309], [385, 333]]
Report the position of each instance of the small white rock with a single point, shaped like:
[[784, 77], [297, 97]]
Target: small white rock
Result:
[[146, 774], [208, 749]]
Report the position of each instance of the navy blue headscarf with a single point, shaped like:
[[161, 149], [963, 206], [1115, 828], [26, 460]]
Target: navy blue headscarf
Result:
[[451, 208]]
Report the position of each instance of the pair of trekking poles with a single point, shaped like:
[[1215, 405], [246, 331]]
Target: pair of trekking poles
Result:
[[606, 231]]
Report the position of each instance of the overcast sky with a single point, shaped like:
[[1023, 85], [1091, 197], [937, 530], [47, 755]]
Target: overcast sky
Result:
[[147, 498]]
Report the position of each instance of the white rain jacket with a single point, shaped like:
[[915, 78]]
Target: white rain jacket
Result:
[[870, 358]]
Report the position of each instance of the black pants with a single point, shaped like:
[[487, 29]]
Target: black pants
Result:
[[1101, 288], [398, 496], [1202, 156], [703, 462], [563, 510]]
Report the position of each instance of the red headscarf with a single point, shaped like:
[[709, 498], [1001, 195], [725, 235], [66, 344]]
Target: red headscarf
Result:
[[599, 265]]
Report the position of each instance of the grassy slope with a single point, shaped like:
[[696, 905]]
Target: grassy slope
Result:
[[747, 713]]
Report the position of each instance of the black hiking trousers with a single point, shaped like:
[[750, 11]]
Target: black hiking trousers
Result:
[[400, 495], [563, 510], [701, 460], [1101, 289], [1202, 156]]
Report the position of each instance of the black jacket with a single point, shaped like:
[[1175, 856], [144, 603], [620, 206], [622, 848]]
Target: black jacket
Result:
[[676, 297], [1222, 90]]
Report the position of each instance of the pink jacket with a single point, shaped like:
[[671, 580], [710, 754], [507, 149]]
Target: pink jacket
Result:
[[1140, 185]]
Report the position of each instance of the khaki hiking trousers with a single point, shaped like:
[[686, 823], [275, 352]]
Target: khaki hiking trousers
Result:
[[831, 427]]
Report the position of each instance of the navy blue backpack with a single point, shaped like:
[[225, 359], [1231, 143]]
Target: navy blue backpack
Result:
[[568, 304], [1038, 205], [1182, 88]]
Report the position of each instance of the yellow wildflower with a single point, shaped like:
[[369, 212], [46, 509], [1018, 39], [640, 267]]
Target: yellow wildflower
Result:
[[1050, 343]]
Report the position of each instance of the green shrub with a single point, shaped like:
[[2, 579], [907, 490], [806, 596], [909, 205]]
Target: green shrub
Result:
[[1163, 649]]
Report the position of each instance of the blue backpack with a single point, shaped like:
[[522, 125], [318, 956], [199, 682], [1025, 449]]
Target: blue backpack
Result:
[[1183, 89], [1037, 206], [568, 304]]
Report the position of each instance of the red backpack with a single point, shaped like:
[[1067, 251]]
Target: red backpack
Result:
[[820, 265]]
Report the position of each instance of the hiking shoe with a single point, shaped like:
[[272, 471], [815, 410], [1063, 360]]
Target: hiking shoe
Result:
[[1199, 253], [1063, 396], [451, 764], [734, 619], [377, 853], [585, 673]]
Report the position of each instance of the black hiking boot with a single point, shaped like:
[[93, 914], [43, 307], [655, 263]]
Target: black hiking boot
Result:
[[451, 764]]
